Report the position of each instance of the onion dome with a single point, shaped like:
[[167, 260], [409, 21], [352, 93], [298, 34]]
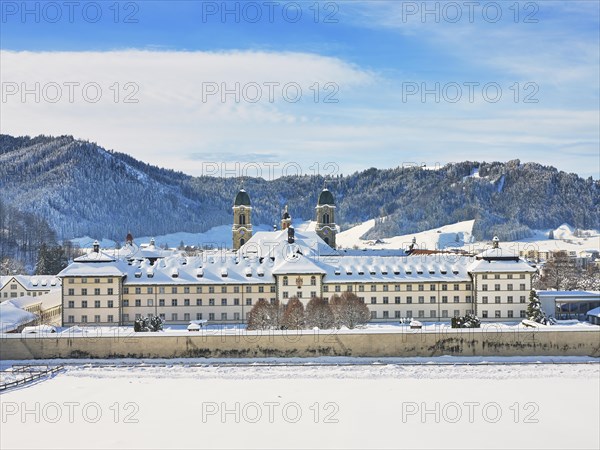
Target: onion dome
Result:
[[242, 198]]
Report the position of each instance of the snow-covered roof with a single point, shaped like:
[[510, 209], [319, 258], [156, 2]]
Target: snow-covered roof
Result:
[[95, 257], [498, 253], [490, 265], [99, 269], [32, 282], [356, 269], [594, 312], [275, 244], [50, 300], [12, 317]]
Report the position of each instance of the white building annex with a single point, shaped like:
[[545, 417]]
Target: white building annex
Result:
[[116, 287]]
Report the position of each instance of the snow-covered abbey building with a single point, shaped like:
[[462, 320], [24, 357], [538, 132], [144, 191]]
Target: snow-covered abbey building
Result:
[[109, 288]]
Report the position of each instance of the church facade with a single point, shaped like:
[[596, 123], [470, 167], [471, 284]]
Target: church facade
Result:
[[222, 286]]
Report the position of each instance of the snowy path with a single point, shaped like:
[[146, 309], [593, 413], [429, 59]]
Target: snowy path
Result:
[[382, 405]]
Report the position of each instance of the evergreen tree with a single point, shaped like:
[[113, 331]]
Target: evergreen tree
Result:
[[535, 311]]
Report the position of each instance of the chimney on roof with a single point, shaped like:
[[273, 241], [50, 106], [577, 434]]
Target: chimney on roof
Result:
[[495, 242], [96, 247]]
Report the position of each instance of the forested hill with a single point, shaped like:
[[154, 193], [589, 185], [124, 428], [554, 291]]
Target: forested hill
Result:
[[80, 189]]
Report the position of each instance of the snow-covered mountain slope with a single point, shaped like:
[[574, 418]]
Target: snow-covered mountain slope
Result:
[[448, 236]]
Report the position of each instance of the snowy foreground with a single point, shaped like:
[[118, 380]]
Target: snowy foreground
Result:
[[444, 402]]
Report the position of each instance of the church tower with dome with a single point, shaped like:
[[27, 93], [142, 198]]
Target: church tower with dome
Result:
[[242, 219], [326, 227]]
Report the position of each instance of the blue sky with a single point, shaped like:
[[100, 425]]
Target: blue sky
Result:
[[546, 63]]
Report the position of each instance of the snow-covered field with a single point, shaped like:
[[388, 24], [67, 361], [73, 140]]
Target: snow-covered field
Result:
[[459, 235], [385, 404]]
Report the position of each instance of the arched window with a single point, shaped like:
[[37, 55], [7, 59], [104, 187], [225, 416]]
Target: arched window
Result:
[[242, 241], [326, 240], [242, 219], [313, 281], [326, 218], [285, 280]]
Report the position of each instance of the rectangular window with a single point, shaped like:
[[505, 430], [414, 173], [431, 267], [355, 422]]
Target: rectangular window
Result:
[[138, 290], [186, 317], [211, 289], [445, 313], [510, 314], [409, 287], [338, 288], [373, 300], [497, 314], [522, 299], [161, 302], [361, 288], [509, 299], [373, 314], [409, 314], [198, 302], [236, 289], [444, 287], [484, 314], [484, 287], [386, 314], [150, 290], [97, 318], [198, 289], [84, 304], [444, 299], [110, 291], [522, 286], [386, 300], [223, 316], [96, 303], [385, 288], [84, 319], [236, 316], [248, 289], [409, 299], [509, 287], [186, 289], [236, 301], [248, 302], [223, 302], [421, 299], [138, 302], [161, 290], [373, 288], [496, 287], [84, 291], [456, 299], [174, 302], [397, 287], [432, 299], [456, 287], [397, 314], [484, 299], [174, 290], [261, 289], [432, 287], [96, 291], [421, 287], [211, 302], [484, 276], [432, 313], [186, 302], [110, 318], [469, 299], [421, 313], [523, 314], [71, 291], [468, 286], [150, 302], [286, 294], [397, 300], [126, 317], [174, 317], [198, 316], [71, 304]]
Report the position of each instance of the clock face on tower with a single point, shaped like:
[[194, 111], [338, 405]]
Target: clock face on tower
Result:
[[326, 231], [242, 232]]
